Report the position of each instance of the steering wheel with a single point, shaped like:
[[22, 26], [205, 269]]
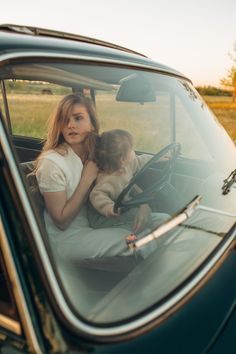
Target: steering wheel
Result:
[[148, 194]]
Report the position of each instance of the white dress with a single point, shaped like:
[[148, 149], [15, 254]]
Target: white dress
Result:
[[79, 243], [57, 173]]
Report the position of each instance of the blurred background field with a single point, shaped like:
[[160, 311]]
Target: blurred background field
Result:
[[225, 111], [31, 112]]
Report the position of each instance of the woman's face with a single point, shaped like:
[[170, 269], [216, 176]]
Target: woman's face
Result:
[[77, 126]]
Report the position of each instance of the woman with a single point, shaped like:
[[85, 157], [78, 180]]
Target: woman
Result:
[[62, 178], [65, 176]]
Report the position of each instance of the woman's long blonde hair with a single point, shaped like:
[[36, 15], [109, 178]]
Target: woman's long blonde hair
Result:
[[55, 139]]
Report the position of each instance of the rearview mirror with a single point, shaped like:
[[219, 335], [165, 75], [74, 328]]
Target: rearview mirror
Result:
[[135, 88]]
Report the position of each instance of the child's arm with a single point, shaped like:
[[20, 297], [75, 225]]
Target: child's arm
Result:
[[140, 161], [101, 199]]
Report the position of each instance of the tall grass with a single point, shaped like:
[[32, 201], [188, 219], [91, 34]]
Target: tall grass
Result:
[[225, 111], [30, 114]]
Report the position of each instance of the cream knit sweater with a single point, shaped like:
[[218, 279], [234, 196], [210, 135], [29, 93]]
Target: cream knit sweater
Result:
[[109, 186]]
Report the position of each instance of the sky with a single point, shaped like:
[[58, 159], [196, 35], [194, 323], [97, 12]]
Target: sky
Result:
[[194, 37]]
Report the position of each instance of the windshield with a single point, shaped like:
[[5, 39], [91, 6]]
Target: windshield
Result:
[[177, 151]]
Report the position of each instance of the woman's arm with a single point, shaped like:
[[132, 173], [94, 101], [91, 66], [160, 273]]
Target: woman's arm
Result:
[[63, 211]]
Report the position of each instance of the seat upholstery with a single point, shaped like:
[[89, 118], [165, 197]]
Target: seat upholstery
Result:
[[27, 169]]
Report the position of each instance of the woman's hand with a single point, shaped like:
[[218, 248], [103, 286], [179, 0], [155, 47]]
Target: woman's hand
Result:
[[142, 217], [90, 172]]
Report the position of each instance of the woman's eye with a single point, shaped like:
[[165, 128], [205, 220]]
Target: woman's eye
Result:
[[77, 118]]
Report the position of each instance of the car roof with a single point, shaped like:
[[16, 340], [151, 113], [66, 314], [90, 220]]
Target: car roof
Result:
[[18, 39]]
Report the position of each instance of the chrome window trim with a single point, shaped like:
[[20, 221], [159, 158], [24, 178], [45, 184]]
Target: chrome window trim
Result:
[[90, 329], [10, 324], [18, 294]]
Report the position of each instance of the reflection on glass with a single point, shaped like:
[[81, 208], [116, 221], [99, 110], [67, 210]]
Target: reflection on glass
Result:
[[159, 111]]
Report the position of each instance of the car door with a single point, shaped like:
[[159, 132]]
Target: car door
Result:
[[19, 329]]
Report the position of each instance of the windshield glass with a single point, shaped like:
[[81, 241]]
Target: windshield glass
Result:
[[170, 150]]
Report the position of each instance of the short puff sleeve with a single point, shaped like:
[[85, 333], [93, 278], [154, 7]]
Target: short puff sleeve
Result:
[[50, 177]]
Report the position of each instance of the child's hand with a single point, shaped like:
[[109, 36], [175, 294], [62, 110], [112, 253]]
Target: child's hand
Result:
[[110, 212], [142, 217]]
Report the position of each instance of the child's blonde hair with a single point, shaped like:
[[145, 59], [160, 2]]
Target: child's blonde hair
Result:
[[111, 148]]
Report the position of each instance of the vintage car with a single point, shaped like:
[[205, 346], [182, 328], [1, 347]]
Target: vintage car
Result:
[[180, 296]]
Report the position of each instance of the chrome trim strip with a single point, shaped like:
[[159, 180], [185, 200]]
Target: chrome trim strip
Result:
[[10, 324], [70, 316], [34, 54], [17, 289], [217, 211]]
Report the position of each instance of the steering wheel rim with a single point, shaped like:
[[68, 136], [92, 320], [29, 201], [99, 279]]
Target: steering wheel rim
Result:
[[121, 205]]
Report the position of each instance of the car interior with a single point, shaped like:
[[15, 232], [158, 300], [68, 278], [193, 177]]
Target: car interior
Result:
[[183, 166]]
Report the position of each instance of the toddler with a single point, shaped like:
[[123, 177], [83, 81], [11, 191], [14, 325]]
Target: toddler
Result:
[[117, 163]]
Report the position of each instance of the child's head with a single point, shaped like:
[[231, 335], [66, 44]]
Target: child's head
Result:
[[113, 149]]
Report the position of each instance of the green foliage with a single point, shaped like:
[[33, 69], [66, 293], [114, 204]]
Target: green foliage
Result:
[[230, 80], [212, 91]]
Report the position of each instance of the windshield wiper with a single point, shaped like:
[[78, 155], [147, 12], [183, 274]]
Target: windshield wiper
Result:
[[174, 221], [229, 182]]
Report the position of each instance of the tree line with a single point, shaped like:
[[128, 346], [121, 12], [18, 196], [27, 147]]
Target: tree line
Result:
[[228, 82], [212, 91]]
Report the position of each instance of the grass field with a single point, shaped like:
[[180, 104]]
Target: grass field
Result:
[[225, 111], [32, 112]]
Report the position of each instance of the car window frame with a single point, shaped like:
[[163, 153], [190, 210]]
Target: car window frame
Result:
[[121, 331], [9, 318], [21, 329]]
